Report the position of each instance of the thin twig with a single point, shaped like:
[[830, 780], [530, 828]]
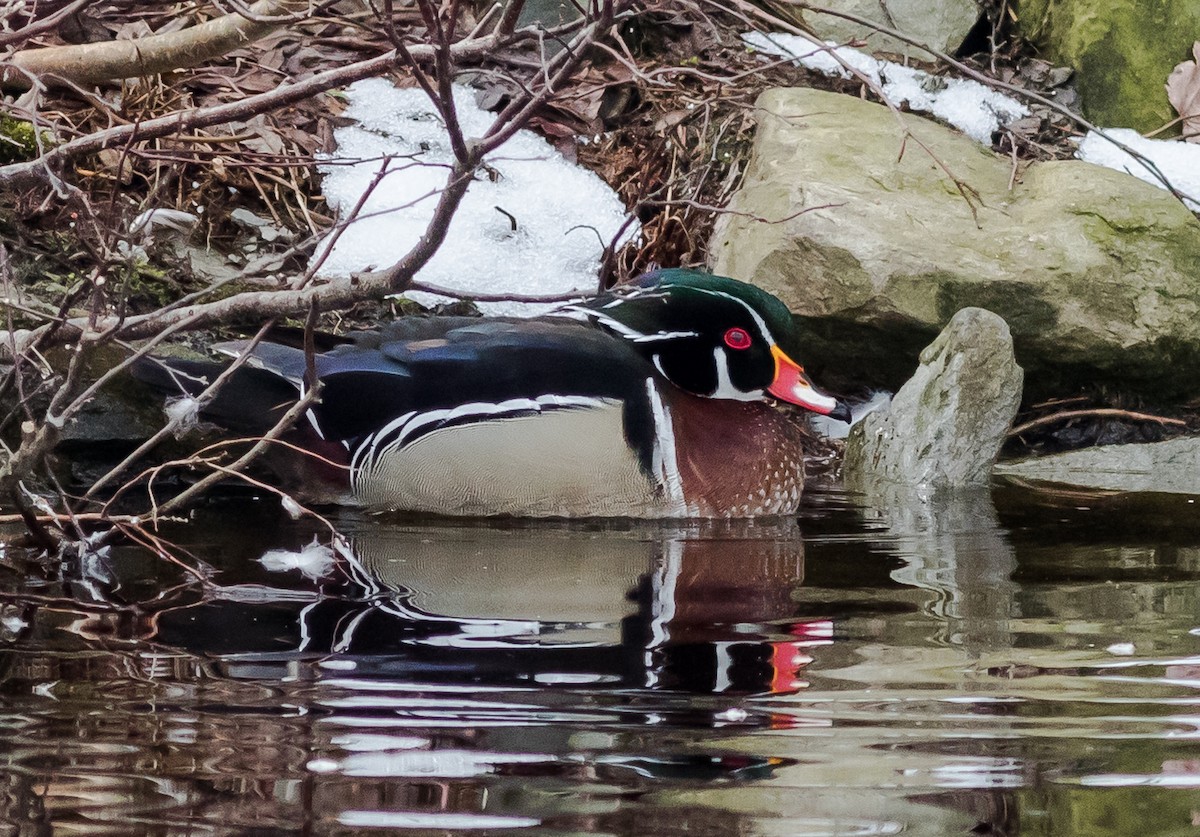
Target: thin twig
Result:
[[1104, 412]]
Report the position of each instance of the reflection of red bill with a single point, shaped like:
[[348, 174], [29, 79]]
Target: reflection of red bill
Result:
[[787, 658], [817, 632], [786, 661]]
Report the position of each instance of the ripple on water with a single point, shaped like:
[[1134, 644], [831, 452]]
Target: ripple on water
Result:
[[896, 675]]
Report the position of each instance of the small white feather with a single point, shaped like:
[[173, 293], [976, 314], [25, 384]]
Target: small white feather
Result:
[[294, 510], [183, 414], [314, 560]]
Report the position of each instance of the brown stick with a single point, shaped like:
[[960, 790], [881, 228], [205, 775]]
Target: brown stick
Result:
[[1097, 413], [30, 173], [47, 23], [109, 60]]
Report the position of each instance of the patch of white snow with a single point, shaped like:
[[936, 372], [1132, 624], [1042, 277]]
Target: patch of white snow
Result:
[[973, 108], [1178, 161], [564, 214]]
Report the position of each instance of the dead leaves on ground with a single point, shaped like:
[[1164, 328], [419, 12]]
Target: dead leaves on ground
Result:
[[1183, 92]]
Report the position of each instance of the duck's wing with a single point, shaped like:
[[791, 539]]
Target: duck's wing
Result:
[[455, 369]]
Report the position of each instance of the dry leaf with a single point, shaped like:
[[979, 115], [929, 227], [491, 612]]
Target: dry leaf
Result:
[[1183, 91]]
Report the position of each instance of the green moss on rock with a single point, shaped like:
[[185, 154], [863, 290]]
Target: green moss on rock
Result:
[[1123, 51], [18, 141]]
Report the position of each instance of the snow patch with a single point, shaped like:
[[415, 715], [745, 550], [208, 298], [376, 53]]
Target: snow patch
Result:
[[973, 108], [1178, 161], [314, 560], [564, 215]]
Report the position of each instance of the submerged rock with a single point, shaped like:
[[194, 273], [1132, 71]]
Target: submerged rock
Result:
[[1093, 270], [944, 427], [1171, 467]]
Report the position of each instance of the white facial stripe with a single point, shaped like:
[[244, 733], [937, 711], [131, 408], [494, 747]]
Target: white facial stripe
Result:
[[584, 314], [725, 387], [657, 359], [758, 320], [664, 335]]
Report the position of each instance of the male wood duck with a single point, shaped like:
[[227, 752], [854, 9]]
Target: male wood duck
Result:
[[646, 401]]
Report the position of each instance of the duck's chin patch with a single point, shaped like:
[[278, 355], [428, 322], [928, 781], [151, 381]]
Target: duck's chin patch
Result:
[[725, 388]]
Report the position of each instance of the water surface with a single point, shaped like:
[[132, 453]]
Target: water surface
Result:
[[906, 666]]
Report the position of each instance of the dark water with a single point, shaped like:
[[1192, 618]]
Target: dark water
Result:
[[936, 668]]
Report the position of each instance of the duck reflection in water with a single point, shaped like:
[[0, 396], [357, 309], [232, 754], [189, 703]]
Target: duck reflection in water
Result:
[[704, 609]]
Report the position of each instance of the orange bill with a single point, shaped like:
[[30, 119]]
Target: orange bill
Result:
[[793, 386]]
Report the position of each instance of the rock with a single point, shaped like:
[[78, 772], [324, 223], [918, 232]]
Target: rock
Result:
[[942, 24], [247, 220], [121, 413], [259, 226], [944, 427], [1123, 51], [1094, 271], [1171, 467]]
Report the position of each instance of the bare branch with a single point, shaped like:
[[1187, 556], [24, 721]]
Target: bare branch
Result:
[[21, 175], [45, 24], [109, 60]]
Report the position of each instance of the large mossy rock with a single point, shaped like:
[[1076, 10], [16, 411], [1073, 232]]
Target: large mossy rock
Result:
[[1123, 51], [871, 243], [942, 24]]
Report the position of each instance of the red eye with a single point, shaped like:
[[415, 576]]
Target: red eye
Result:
[[737, 338]]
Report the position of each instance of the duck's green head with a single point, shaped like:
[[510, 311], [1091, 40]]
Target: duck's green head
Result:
[[712, 336]]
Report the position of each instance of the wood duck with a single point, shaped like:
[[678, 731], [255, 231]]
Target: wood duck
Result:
[[646, 401]]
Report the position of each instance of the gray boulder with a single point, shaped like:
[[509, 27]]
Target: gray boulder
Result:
[[1095, 272], [944, 427], [1171, 467], [941, 24]]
